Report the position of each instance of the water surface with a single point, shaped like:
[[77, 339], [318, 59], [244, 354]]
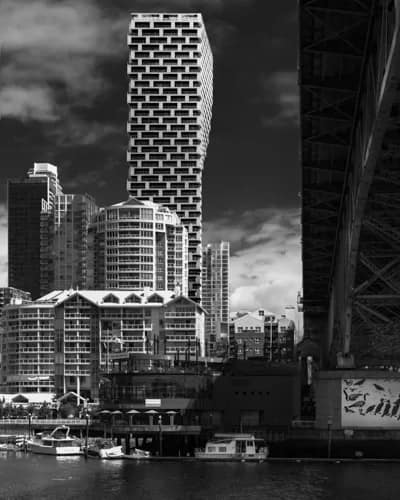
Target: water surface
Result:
[[62, 478]]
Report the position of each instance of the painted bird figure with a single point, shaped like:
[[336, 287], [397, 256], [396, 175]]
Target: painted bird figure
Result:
[[357, 404], [396, 406], [387, 408], [379, 406], [369, 409]]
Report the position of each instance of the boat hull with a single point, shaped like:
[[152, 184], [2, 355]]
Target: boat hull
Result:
[[111, 453], [231, 457], [56, 451]]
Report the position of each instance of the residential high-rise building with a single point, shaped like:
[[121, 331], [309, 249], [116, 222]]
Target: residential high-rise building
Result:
[[47, 233], [28, 199], [136, 245], [215, 290], [67, 249], [170, 100]]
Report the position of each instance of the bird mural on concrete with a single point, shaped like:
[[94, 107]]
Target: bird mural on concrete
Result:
[[371, 399]]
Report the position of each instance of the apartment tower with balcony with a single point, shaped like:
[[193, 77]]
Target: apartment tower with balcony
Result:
[[170, 102], [138, 245], [215, 278], [69, 222]]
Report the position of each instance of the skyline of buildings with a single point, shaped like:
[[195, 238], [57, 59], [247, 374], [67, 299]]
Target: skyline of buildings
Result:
[[144, 250], [170, 98]]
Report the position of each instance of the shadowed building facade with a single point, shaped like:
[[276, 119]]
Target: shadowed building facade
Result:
[[28, 199], [170, 101], [67, 250]]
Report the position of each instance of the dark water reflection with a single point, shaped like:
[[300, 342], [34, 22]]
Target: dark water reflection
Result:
[[41, 477]]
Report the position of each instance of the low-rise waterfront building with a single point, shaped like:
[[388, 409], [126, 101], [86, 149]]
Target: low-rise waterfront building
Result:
[[64, 340], [238, 395], [262, 334]]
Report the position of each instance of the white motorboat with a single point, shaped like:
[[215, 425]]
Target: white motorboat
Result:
[[139, 454], [111, 452], [243, 447], [105, 449], [58, 442]]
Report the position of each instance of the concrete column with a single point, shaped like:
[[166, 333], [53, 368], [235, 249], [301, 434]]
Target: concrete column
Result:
[[128, 444]]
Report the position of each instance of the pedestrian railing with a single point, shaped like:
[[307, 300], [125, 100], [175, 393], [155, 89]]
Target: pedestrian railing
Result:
[[43, 421]]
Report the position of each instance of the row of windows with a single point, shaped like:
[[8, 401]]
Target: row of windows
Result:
[[145, 52], [186, 82], [163, 24]]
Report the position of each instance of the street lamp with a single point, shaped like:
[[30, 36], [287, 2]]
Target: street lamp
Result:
[[86, 433], [160, 433], [29, 424]]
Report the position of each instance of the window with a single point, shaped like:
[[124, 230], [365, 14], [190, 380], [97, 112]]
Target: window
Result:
[[111, 299], [155, 299], [132, 299]]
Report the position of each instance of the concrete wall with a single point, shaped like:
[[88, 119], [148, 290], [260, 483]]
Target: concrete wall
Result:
[[351, 399]]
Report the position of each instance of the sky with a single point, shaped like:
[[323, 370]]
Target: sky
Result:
[[63, 88]]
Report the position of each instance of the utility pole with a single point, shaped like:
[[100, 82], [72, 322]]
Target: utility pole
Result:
[[86, 434], [270, 339]]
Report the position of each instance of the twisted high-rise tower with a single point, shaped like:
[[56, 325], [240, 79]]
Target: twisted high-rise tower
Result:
[[170, 100]]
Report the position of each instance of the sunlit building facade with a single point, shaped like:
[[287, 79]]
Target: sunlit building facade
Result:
[[170, 102], [65, 340], [136, 245]]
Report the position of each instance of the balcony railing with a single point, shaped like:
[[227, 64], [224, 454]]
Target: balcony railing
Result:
[[179, 326], [180, 315]]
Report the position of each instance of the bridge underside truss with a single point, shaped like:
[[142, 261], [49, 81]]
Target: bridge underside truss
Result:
[[350, 125]]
